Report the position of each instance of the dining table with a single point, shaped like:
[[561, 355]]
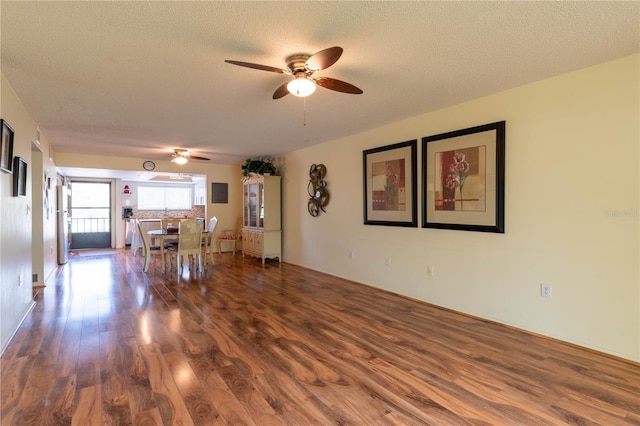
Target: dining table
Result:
[[163, 236]]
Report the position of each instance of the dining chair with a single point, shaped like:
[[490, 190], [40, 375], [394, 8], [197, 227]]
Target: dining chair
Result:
[[189, 243], [231, 236], [148, 249], [208, 245], [170, 223], [166, 221], [136, 241]]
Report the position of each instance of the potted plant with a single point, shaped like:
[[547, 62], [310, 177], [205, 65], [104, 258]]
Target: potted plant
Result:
[[259, 166]]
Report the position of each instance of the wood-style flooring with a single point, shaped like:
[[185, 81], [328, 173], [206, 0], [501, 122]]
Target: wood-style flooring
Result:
[[107, 344]]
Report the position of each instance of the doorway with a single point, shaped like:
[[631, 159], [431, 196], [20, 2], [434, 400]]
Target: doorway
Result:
[[90, 215]]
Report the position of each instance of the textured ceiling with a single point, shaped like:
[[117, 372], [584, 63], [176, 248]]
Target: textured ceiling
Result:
[[140, 78]]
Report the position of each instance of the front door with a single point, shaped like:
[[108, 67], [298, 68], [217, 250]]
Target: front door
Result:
[[90, 215]]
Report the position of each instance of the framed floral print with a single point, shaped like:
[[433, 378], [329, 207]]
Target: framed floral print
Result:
[[390, 185], [463, 179]]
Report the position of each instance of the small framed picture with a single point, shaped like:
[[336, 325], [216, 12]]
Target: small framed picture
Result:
[[19, 177], [6, 148]]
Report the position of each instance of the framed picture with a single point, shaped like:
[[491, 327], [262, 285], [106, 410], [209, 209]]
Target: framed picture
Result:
[[6, 148], [390, 185], [19, 177], [463, 179]]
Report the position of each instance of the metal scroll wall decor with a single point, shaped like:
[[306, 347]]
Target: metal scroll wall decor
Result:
[[317, 189]]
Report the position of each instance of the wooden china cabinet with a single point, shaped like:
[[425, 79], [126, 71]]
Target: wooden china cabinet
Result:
[[261, 229]]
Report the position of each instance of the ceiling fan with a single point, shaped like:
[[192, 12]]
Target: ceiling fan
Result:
[[302, 67], [181, 156]]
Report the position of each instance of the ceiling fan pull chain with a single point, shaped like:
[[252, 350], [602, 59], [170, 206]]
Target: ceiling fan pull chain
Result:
[[305, 111]]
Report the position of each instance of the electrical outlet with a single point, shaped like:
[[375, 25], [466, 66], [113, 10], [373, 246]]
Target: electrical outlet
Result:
[[546, 290], [387, 261], [352, 254], [19, 280], [431, 271]]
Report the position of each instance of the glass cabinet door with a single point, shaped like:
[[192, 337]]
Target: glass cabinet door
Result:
[[253, 204], [261, 194], [245, 212]]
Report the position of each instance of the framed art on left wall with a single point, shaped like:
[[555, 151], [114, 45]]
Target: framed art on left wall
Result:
[[6, 147], [19, 177]]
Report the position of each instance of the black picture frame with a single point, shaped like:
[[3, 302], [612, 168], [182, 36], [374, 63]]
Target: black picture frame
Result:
[[448, 161], [6, 147], [390, 185], [19, 177]]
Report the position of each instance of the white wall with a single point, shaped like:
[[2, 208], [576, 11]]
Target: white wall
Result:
[[44, 213], [15, 222], [572, 191]]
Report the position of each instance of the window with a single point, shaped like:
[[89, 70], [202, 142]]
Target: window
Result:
[[164, 197]]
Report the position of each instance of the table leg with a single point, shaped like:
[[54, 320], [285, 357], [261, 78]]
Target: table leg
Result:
[[162, 253]]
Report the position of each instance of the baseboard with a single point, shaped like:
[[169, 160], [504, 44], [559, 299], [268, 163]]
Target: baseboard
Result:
[[27, 312]]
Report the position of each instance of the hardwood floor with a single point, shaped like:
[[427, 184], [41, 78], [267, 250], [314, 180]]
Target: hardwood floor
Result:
[[246, 344]]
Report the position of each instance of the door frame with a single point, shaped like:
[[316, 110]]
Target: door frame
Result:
[[112, 201]]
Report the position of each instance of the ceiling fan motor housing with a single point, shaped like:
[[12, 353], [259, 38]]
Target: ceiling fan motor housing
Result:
[[297, 63]]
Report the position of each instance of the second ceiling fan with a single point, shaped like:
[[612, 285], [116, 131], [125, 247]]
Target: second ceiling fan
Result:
[[302, 67], [181, 156]]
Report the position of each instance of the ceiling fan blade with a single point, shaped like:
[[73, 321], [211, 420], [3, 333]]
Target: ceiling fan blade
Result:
[[281, 91], [338, 86], [256, 66], [195, 157], [323, 59]]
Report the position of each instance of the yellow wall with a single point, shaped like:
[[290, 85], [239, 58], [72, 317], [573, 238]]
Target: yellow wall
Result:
[[572, 191]]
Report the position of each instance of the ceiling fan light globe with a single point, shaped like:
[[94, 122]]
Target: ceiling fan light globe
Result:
[[179, 160], [301, 87]]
